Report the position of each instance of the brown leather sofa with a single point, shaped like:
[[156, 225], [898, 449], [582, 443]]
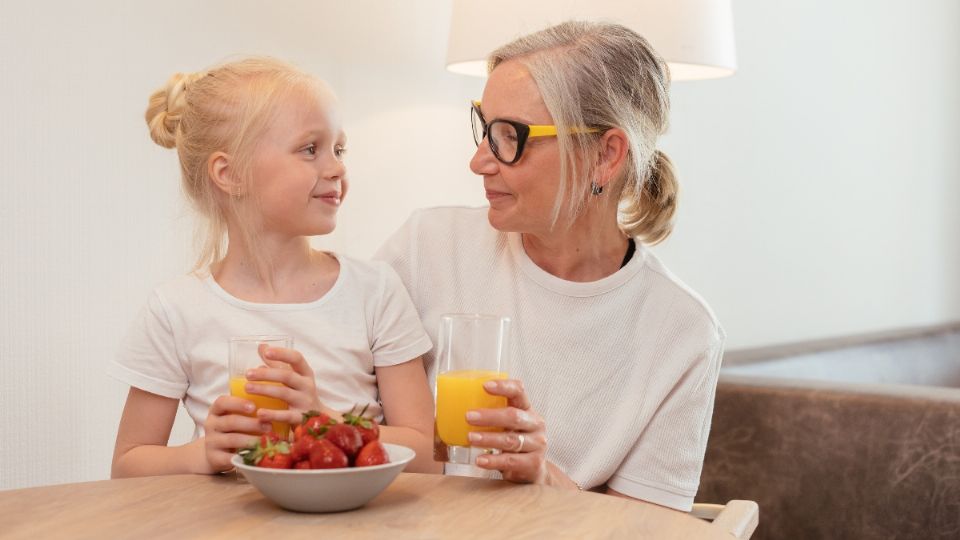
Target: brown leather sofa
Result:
[[835, 458]]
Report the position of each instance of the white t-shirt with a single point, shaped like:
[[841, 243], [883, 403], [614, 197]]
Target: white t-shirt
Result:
[[623, 369], [178, 345]]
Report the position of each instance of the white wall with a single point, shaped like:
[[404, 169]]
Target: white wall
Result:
[[820, 183]]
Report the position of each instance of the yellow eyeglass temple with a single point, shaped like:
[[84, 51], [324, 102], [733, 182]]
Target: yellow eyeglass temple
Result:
[[545, 130]]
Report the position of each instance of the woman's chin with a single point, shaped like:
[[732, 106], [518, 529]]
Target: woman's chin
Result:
[[501, 220]]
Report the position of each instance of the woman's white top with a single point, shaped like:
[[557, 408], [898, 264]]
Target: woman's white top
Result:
[[623, 369]]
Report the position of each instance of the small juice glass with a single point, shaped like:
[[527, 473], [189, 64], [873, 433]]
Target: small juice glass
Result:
[[245, 355]]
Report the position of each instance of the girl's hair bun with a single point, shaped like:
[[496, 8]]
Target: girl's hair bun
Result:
[[166, 107]]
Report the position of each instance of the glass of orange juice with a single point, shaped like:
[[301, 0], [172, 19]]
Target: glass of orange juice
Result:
[[245, 355], [471, 350]]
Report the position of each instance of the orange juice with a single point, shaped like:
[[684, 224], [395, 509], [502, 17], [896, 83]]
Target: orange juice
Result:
[[238, 389], [459, 392]]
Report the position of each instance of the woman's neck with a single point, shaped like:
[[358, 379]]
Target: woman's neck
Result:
[[284, 270], [592, 248]]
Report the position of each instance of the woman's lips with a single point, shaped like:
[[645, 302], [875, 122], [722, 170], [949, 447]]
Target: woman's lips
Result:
[[496, 195]]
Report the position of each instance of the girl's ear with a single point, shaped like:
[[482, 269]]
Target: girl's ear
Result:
[[220, 171], [614, 146]]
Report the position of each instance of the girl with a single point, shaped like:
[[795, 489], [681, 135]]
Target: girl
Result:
[[261, 153]]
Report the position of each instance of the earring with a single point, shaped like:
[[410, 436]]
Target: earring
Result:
[[595, 189]]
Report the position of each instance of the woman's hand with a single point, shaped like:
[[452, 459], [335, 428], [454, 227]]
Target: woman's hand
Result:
[[298, 386], [523, 442], [227, 429]]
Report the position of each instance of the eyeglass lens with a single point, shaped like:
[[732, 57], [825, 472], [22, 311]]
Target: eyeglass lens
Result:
[[502, 136]]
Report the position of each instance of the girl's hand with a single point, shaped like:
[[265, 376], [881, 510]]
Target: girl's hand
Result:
[[297, 386], [227, 429], [523, 442]]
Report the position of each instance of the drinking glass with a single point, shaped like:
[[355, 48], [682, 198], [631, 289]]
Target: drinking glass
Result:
[[245, 355], [471, 350]]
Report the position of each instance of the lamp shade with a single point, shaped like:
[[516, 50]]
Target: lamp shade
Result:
[[695, 37]]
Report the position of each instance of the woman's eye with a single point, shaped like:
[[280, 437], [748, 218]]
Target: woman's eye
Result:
[[311, 149], [339, 151]]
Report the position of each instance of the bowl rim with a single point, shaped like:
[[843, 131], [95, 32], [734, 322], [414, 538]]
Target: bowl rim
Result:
[[237, 462]]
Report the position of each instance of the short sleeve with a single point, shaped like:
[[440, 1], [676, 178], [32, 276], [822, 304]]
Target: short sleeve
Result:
[[148, 357], [399, 251], [664, 465], [398, 334]]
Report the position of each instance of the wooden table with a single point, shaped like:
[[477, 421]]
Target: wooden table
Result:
[[414, 506]]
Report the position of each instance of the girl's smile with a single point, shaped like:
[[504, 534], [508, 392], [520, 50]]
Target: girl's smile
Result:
[[330, 197]]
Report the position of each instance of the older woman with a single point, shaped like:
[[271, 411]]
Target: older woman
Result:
[[614, 360]]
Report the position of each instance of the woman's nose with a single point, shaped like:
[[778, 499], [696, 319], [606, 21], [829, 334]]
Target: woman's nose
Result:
[[483, 162]]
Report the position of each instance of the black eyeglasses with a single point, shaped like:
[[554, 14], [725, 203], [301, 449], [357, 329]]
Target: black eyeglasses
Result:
[[506, 137]]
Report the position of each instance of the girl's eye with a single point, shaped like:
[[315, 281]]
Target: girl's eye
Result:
[[339, 151], [311, 149]]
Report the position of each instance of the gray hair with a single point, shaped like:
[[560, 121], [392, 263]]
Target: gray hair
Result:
[[604, 76]]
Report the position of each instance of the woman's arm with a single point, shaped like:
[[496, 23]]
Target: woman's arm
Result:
[[616, 493], [408, 412]]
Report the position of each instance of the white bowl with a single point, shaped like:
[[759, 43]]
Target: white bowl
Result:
[[326, 490]]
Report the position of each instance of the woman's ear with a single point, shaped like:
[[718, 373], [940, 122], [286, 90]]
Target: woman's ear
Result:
[[220, 172], [614, 147]]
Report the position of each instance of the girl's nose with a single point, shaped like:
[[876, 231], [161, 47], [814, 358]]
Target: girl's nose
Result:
[[334, 168]]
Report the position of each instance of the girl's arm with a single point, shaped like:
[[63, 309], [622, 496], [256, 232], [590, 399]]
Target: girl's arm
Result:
[[142, 450], [408, 411]]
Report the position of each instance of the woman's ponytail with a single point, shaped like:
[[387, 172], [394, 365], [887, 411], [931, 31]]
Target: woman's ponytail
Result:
[[646, 211]]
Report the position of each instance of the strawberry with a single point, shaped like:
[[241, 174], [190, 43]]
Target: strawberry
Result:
[[266, 450], [372, 453], [299, 432], [276, 461], [368, 427], [345, 437], [271, 437], [300, 449], [305, 464], [325, 455], [313, 421]]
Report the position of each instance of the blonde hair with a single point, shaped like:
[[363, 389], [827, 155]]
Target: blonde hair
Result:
[[224, 109], [604, 76]]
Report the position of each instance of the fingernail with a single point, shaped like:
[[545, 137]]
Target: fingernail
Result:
[[251, 373], [490, 385], [249, 407], [269, 353], [265, 427], [474, 437], [482, 460], [472, 416]]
